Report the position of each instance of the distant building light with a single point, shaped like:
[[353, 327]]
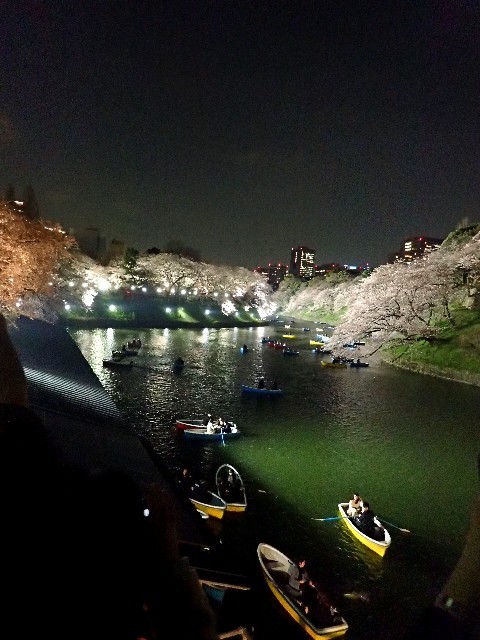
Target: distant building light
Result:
[[144, 289]]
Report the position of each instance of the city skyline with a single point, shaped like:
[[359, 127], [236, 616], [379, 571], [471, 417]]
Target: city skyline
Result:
[[240, 128]]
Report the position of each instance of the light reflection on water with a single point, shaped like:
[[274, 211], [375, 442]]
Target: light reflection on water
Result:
[[406, 442]]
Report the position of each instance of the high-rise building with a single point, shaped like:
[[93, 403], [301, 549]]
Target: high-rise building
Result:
[[415, 247], [274, 273], [302, 263]]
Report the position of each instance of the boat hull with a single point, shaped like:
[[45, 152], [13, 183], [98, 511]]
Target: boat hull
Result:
[[334, 365], [200, 433], [273, 561], [261, 392], [188, 423], [375, 545], [211, 504], [117, 364]]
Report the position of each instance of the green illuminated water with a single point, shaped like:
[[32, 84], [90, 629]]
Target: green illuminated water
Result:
[[407, 443]]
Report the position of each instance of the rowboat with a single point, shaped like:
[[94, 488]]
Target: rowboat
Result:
[[117, 363], [189, 423], [230, 487], [379, 546], [358, 365], [316, 343], [289, 336], [200, 433], [290, 352], [228, 595], [323, 622], [208, 502], [262, 392], [338, 365], [124, 352]]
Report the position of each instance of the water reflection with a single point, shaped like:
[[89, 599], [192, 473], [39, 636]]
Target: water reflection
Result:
[[407, 443]]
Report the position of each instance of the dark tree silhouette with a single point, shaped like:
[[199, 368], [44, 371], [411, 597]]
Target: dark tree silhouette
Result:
[[178, 248], [10, 193], [30, 205]]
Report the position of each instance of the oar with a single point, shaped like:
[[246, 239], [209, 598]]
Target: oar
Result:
[[390, 524], [343, 517]]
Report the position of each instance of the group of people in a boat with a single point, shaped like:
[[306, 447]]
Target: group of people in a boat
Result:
[[134, 343], [363, 517], [219, 425], [261, 384]]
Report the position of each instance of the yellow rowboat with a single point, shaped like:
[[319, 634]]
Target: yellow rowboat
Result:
[[288, 335], [208, 502], [379, 546], [323, 624], [230, 487], [338, 365], [316, 342]]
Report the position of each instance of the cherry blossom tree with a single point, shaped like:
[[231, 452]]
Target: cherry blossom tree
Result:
[[32, 251]]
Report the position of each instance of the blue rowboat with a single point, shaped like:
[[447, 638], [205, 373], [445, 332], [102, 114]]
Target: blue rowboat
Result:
[[200, 433], [262, 392]]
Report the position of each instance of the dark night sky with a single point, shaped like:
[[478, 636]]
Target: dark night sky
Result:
[[245, 128]]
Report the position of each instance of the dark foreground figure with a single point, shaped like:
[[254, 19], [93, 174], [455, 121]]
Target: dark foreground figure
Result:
[[84, 556]]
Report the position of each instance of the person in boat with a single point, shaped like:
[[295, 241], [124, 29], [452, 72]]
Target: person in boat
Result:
[[318, 607], [298, 576], [368, 524], [206, 419], [354, 506], [261, 383], [274, 386], [186, 479], [210, 427]]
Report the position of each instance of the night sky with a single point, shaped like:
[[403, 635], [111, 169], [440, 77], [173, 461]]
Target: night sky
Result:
[[245, 128]]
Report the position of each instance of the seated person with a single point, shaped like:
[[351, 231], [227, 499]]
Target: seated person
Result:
[[354, 506], [366, 520], [210, 428], [261, 383]]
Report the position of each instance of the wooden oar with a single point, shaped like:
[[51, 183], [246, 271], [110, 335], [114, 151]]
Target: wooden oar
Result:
[[344, 517]]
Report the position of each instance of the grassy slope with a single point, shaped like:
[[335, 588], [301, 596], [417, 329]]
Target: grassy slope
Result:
[[456, 355]]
